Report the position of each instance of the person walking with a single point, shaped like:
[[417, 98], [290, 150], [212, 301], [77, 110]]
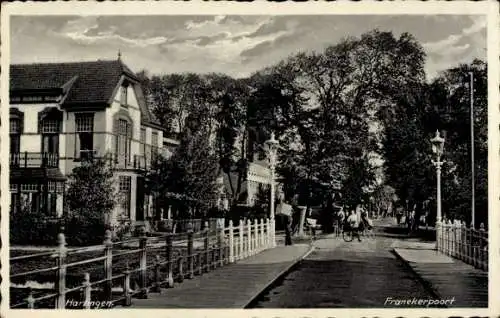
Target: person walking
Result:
[[354, 224], [340, 221], [286, 211]]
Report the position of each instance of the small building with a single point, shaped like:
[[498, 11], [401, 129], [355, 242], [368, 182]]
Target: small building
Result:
[[64, 113]]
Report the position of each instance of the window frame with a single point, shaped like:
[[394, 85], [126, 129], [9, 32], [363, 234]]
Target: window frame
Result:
[[125, 190], [84, 130], [124, 95]]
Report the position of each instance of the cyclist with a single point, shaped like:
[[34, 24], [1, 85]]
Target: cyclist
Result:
[[340, 221], [354, 224], [365, 219]]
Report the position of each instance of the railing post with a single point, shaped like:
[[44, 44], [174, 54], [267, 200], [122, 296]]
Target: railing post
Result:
[[267, 237], [199, 259], [262, 228], [87, 290], [180, 266], [256, 236], [459, 240], [206, 249], [30, 300], [469, 246], [190, 256], [481, 246], [170, 266], [127, 298], [143, 261], [220, 243], [231, 242], [241, 252], [108, 265], [61, 272], [157, 274], [249, 239], [450, 238]]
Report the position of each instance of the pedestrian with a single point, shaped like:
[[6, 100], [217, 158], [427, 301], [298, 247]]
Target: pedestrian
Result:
[[286, 211], [340, 221], [354, 224], [288, 230]]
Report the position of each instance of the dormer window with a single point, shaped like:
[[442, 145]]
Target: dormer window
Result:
[[124, 95]]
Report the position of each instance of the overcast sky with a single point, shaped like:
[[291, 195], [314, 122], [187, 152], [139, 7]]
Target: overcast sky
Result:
[[235, 45]]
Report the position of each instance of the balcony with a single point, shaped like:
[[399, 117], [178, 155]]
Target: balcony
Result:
[[34, 160], [138, 162]]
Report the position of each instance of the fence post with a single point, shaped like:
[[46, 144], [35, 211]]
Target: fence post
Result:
[[157, 275], [199, 260], [220, 239], [127, 301], [61, 272], [180, 266], [87, 290], [469, 246], [256, 236], [481, 246], [262, 228], [30, 300], [463, 239], [206, 249], [450, 237], [231, 242], [268, 231], [143, 261], [459, 239], [249, 231], [170, 266], [453, 238], [241, 253], [190, 256], [108, 265]]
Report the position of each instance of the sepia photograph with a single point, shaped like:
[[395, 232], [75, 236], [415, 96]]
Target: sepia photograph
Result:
[[247, 161]]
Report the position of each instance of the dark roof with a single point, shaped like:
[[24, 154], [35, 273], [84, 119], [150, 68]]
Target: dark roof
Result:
[[82, 83], [93, 82]]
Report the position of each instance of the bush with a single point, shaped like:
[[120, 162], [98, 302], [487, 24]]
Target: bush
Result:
[[33, 229], [81, 231]]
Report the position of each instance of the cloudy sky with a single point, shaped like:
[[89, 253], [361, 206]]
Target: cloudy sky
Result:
[[235, 45]]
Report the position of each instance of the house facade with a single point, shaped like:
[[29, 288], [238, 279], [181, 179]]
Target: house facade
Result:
[[64, 113]]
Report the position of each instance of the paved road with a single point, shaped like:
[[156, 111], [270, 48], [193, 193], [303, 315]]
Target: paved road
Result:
[[340, 274]]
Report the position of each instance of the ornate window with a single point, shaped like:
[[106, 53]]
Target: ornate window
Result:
[[154, 143], [124, 95], [15, 135], [126, 194], [49, 125], [84, 135], [124, 140], [143, 142]]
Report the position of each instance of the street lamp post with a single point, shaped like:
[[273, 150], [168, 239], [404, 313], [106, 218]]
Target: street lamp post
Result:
[[437, 149], [272, 154]]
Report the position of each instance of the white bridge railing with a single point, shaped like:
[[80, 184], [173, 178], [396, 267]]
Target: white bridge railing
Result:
[[470, 245]]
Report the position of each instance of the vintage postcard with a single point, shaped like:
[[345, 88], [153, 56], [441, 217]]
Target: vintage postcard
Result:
[[292, 159]]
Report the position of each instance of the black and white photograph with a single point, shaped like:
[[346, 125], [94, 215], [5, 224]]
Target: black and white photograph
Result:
[[248, 161]]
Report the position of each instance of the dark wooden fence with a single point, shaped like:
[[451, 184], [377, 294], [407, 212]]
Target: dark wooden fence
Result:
[[113, 273]]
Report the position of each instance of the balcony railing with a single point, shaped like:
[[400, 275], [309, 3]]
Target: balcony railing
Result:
[[34, 160], [139, 162]]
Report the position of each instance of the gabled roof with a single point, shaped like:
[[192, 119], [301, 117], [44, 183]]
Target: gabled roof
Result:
[[86, 82], [81, 83]]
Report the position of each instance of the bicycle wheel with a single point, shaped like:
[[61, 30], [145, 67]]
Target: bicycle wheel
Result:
[[347, 235]]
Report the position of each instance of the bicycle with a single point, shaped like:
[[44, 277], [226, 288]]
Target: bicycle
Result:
[[348, 233]]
